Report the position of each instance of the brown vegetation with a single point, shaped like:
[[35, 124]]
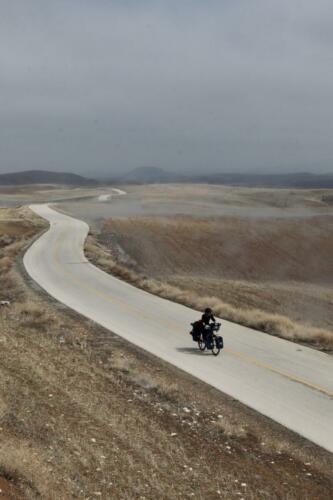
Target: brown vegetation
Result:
[[271, 275], [17, 226], [229, 248]]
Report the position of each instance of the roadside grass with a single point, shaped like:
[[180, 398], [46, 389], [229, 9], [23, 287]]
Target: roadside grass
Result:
[[17, 227], [6, 264], [273, 324], [32, 315], [162, 387], [232, 429]]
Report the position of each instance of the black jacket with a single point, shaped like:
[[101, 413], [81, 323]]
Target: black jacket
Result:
[[207, 318]]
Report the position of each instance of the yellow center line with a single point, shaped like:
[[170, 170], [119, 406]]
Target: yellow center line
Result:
[[173, 327], [294, 378], [103, 295]]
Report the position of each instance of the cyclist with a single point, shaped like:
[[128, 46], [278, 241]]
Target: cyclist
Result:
[[207, 319]]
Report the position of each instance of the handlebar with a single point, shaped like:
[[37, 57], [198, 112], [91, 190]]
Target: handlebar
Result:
[[211, 325]]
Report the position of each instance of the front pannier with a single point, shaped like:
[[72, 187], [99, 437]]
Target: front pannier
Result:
[[219, 342]]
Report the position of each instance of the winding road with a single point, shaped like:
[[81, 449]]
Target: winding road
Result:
[[289, 383]]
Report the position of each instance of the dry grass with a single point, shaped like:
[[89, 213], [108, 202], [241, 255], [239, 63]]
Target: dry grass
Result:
[[32, 315], [252, 274], [145, 380], [17, 226], [5, 264], [232, 429], [258, 250]]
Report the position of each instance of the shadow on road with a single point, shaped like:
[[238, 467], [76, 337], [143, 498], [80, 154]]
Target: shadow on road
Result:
[[191, 350]]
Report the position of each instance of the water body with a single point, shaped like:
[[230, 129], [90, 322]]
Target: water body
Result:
[[94, 209], [128, 206]]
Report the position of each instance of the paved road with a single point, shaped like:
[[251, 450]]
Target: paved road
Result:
[[107, 197], [289, 383]]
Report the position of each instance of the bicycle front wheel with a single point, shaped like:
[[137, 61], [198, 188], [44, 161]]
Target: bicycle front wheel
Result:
[[215, 348]]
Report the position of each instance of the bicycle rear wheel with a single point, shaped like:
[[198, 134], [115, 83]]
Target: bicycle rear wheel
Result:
[[201, 343]]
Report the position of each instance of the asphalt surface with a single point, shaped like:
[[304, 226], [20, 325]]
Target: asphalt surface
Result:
[[287, 382], [107, 197]]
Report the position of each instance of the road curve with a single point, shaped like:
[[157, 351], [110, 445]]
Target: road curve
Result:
[[106, 197], [289, 383]]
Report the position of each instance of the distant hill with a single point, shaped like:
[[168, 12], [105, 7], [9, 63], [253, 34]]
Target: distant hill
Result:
[[44, 177]]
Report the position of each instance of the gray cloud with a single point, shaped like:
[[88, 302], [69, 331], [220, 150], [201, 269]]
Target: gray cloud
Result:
[[100, 86]]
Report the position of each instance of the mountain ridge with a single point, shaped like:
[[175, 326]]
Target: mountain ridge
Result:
[[27, 177]]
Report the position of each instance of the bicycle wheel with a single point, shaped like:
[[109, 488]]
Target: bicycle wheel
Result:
[[215, 348], [201, 343]]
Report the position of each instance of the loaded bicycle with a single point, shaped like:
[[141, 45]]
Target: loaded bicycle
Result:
[[207, 337]]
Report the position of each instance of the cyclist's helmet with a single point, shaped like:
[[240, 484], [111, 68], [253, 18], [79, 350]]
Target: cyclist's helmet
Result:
[[208, 310]]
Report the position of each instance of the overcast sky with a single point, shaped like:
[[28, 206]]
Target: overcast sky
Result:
[[99, 86]]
